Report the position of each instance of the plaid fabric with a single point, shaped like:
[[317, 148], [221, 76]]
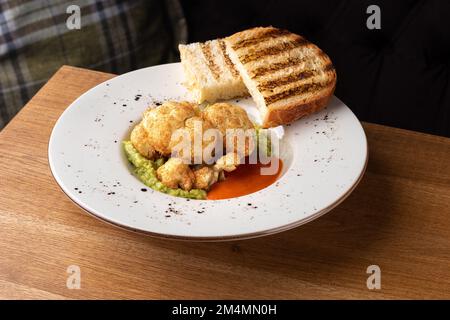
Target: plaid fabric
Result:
[[115, 36]]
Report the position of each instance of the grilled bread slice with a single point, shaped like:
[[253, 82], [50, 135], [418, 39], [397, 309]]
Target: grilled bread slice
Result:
[[209, 73], [287, 76]]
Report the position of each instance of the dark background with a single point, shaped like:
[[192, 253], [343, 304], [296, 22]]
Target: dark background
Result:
[[397, 76]]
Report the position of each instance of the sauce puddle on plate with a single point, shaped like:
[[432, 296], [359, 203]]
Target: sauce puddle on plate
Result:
[[246, 179]]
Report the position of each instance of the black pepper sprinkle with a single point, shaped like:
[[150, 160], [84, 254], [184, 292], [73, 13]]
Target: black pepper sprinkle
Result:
[[79, 192], [144, 190], [131, 121], [249, 204]]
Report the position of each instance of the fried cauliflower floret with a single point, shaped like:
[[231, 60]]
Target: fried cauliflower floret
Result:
[[205, 177], [162, 121], [164, 130], [228, 119], [228, 162], [194, 135], [139, 139], [174, 173], [227, 116]]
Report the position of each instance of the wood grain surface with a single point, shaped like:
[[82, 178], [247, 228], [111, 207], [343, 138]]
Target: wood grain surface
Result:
[[397, 218]]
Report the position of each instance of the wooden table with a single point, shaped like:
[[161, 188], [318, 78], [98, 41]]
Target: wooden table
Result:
[[397, 218]]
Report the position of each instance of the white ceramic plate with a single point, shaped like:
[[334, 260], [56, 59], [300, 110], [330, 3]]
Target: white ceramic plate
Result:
[[324, 158]]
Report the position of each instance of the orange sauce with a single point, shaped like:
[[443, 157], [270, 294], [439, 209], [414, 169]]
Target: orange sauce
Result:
[[244, 180]]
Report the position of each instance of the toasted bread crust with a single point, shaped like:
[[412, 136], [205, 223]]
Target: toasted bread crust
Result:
[[291, 76], [288, 76], [294, 111]]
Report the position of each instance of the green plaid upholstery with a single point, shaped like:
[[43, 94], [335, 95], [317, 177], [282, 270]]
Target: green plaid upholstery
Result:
[[115, 36]]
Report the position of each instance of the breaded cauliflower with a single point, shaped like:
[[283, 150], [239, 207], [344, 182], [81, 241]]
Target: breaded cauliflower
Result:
[[193, 133], [162, 121], [139, 139], [229, 118], [174, 173], [205, 177], [158, 134], [228, 162]]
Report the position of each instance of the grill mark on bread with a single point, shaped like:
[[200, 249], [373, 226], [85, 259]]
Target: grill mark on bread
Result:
[[302, 89], [268, 34], [206, 50], [273, 67], [228, 61], [274, 50], [286, 79]]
